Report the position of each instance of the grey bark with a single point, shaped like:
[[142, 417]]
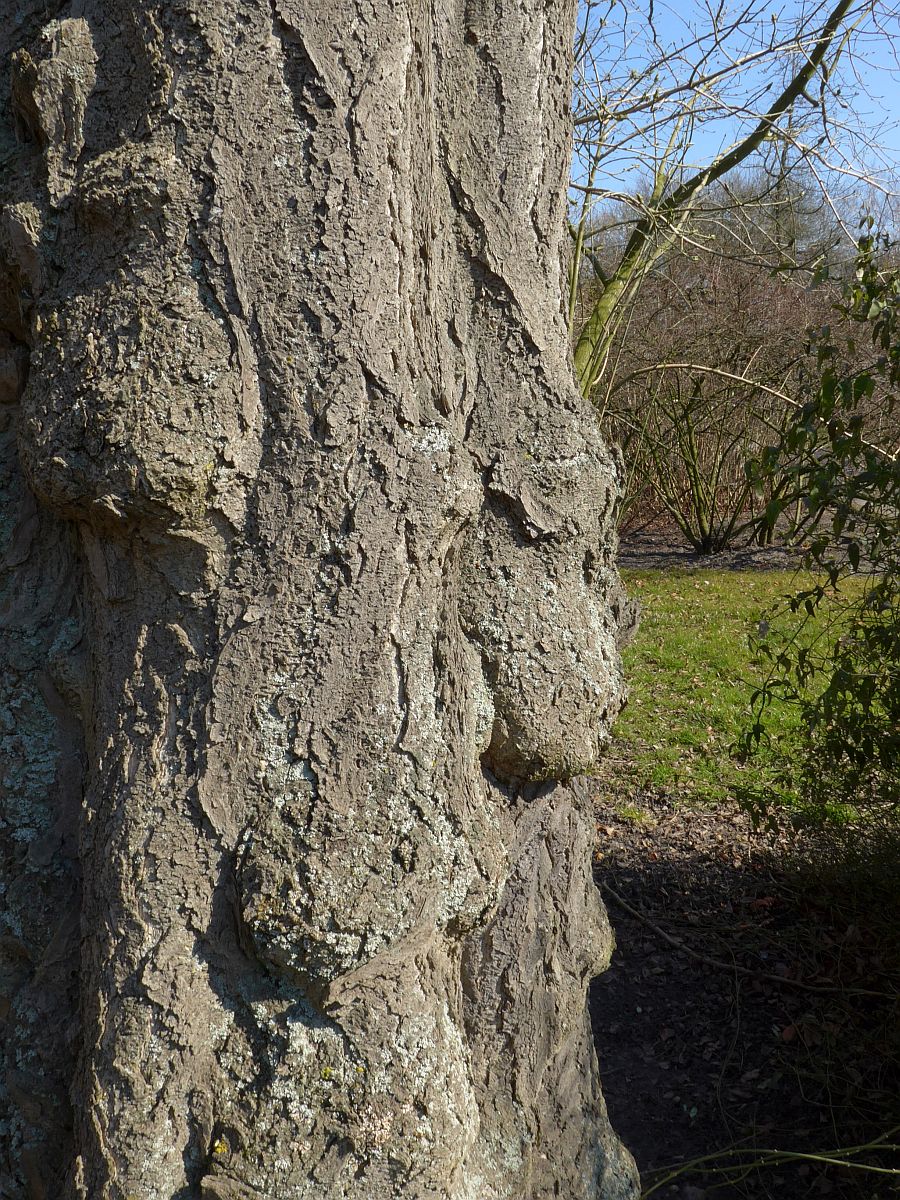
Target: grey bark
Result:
[[309, 601]]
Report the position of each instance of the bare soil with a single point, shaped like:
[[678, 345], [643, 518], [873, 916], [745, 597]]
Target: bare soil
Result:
[[661, 548], [754, 1029]]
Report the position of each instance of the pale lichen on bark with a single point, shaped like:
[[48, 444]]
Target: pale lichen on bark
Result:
[[319, 602]]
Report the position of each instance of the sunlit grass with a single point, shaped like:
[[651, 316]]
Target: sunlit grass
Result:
[[691, 675]]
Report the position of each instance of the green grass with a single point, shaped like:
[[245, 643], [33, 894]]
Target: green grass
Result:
[[632, 814], [691, 675]]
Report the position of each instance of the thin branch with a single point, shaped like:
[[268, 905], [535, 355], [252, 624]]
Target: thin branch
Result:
[[752, 383]]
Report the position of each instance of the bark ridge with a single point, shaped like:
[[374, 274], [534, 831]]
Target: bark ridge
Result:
[[309, 605]]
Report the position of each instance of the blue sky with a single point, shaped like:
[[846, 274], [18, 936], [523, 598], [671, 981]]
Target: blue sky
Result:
[[868, 77], [870, 71]]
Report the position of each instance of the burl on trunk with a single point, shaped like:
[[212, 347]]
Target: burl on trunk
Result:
[[309, 601]]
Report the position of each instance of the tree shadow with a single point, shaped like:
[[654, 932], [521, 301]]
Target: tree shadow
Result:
[[742, 1009]]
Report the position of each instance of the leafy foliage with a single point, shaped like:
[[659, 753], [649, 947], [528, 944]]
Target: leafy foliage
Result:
[[839, 460]]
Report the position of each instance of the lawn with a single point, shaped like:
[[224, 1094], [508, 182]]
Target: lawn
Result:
[[691, 675]]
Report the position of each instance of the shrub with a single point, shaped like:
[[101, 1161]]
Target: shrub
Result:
[[840, 486]]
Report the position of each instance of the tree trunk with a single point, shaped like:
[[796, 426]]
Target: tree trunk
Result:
[[317, 604]]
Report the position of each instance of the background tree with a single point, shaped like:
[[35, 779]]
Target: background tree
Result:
[[704, 369], [669, 117], [309, 597]]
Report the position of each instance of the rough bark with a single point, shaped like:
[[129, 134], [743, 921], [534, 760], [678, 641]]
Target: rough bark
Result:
[[309, 599]]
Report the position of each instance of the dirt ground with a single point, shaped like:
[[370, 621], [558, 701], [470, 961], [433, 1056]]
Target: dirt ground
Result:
[[741, 1010], [730, 1011], [661, 548]]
